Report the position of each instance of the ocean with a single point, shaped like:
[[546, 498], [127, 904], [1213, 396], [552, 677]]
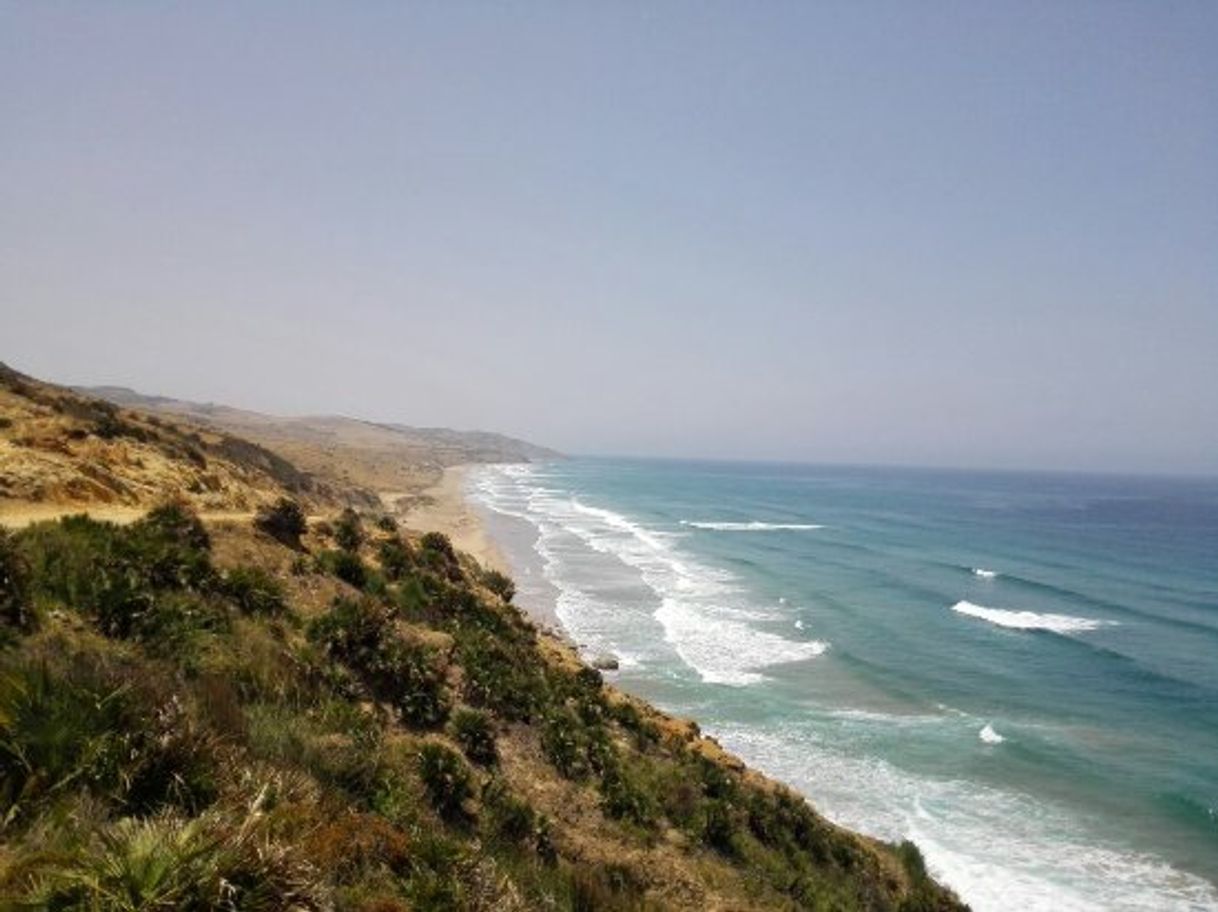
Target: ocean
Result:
[[1018, 671]]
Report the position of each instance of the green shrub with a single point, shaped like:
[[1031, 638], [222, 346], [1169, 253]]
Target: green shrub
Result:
[[284, 521], [255, 591], [565, 743], [395, 558], [644, 732], [912, 860], [169, 863], [346, 565], [476, 735], [411, 678], [500, 584], [349, 531], [387, 524], [170, 548], [624, 798], [501, 676], [16, 610], [719, 829], [151, 581], [360, 634], [507, 817], [446, 777], [85, 728], [439, 555]]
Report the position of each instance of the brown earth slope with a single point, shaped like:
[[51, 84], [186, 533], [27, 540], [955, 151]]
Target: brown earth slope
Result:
[[62, 450], [394, 460]]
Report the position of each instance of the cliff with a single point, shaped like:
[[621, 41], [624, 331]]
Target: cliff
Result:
[[272, 712]]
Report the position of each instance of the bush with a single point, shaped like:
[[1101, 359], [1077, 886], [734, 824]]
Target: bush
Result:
[[508, 818], [387, 524], [349, 531], [474, 732], [169, 863], [912, 860], [501, 676], [446, 777], [718, 829], [439, 555], [565, 743], [284, 521], [86, 728], [624, 798], [152, 581], [169, 548], [500, 584], [345, 565], [15, 608], [255, 591], [360, 634], [395, 558]]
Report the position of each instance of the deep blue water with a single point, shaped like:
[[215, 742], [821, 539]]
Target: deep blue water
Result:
[[1019, 671]]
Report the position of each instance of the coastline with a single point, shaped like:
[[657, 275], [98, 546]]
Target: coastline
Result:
[[443, 507], [447, 507]]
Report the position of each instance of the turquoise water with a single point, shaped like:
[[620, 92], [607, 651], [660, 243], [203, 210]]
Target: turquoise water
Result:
[[1017, 671]]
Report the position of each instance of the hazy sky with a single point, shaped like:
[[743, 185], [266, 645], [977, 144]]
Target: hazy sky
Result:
[[937, 233]]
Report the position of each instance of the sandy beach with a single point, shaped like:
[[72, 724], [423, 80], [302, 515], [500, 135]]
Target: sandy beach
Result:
[[444, 508]]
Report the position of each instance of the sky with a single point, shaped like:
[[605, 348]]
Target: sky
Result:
[[968, 234]]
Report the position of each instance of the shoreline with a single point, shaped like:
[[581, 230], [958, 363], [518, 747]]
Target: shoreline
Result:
[[447, 507]]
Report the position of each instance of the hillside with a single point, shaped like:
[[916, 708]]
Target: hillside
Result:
[[60, 449], [279, 713], [394, 460]]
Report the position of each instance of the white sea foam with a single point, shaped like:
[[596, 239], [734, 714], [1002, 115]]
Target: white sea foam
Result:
[[999, 849], [989, 736], [983, 573], [703, 613], [753, 526], [1030, 620]]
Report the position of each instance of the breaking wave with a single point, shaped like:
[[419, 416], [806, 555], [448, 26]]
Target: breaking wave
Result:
[[753, 526], [706, 617], [1030, 620]]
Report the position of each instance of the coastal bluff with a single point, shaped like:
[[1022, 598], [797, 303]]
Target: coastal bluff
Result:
[[268, 694]]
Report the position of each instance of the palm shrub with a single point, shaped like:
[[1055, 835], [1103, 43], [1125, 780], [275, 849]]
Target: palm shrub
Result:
[[346, 565], [349, 530], [499, 583], [395, 558], [152, 580], [87, 728], [15, 608], [474, 732], [284, 521], [507, 817], [446, 777], [360, 634], [624, 797], [439, 554], [255, 591], [501, 675], [171, 546], [166, 862]]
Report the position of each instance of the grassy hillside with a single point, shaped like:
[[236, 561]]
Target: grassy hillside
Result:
[[241, 717]]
